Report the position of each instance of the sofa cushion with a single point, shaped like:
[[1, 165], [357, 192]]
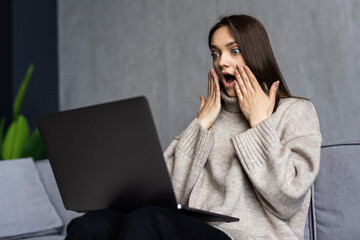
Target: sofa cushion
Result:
[[337, 192], [25, 207]]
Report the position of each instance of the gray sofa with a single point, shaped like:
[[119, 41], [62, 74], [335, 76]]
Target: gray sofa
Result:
[[335, 205]]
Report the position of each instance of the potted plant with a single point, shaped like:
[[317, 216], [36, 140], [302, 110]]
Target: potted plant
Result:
[[16, 141]]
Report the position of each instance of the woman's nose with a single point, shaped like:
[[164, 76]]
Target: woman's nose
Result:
[[224, 61]]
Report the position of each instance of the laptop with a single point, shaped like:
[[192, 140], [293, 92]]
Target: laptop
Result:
[[109, 156]]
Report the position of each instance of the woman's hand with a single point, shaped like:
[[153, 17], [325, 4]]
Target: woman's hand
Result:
[[254, 103], [210, 108]]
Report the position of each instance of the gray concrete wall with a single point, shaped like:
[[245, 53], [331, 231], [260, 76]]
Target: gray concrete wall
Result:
[[116, 49]]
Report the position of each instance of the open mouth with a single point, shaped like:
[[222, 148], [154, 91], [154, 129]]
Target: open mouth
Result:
[[229, 78]]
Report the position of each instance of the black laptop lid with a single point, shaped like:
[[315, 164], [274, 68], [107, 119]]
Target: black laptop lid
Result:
[[89, 147]]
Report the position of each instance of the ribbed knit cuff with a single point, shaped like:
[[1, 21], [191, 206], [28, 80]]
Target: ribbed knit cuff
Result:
[[195, 141], [254, 145]]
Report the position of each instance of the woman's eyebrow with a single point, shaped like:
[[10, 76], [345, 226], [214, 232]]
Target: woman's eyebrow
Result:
[[227, 45]]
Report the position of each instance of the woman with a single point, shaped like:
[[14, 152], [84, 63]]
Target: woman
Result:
[[252, 152]]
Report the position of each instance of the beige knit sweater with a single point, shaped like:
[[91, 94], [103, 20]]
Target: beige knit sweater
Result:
[[261, 175]]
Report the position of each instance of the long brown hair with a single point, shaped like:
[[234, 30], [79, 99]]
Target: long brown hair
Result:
[[254, 46]]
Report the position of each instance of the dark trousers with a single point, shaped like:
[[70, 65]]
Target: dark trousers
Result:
[[144, 223]]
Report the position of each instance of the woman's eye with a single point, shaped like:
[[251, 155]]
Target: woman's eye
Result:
[[214, 55], [235, 50]]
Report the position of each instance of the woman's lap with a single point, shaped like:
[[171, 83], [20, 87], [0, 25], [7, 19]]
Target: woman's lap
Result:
[[100, 224], [144, 223]]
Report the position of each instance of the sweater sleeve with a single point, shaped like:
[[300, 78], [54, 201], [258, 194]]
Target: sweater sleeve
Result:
[[185, 158], [282, 162]]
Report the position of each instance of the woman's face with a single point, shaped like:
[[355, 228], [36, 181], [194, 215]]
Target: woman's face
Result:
[[226, 55]]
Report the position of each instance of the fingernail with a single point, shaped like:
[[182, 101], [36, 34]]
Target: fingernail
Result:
[[277, 83], [237, 65]]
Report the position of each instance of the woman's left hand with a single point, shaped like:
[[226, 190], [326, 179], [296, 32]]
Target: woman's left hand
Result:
[[253, 101]]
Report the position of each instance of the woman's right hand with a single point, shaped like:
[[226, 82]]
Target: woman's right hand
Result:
[[210, 108]]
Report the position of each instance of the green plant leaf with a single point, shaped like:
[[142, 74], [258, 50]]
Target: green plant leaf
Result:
[[21, 93], [34, 147], [15, 138], [2, 128]]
